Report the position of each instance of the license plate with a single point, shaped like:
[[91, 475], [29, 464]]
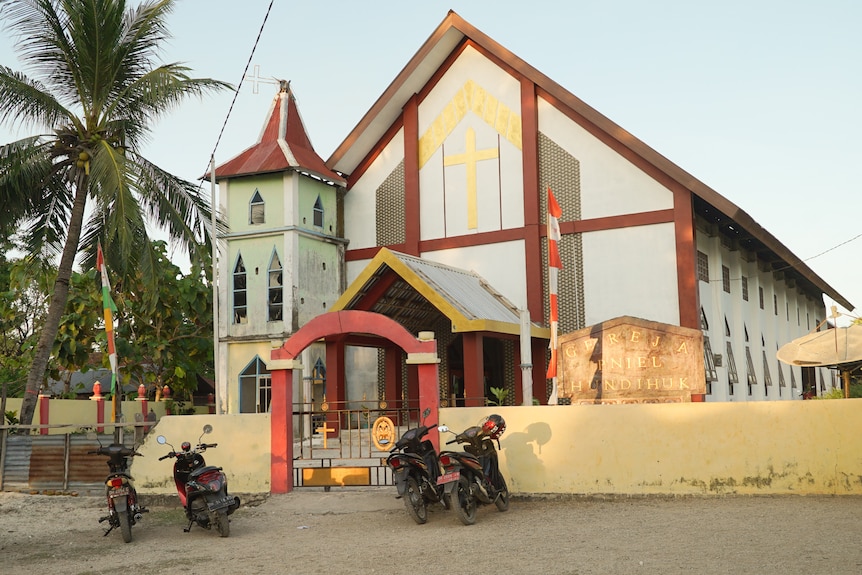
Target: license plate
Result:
[[119, 492], [449, 477], [220, 503]]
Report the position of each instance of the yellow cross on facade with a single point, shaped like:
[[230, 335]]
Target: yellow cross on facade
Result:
[[470, 158]]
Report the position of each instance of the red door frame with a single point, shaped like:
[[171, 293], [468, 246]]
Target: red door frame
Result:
[[420, 352]]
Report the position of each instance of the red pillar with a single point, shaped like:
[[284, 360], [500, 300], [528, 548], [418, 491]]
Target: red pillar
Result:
[[474, 370], [100, 413], [540, 370], [392, 367], [281, 431], [336, 394], [44, 418], [429, 387]]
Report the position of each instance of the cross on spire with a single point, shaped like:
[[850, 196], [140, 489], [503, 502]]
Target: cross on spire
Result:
[[256, 79]]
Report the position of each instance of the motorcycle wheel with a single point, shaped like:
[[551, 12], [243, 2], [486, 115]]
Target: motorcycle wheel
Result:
[[223, 523], [125, 525], [502, 500], [465, 503], [414, 502]]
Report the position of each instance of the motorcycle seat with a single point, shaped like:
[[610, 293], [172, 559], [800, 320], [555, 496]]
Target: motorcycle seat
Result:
[[201, 470]]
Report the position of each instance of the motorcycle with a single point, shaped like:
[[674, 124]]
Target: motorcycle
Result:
[[202, 488], [472, 477], [415, 469], [123, 508]]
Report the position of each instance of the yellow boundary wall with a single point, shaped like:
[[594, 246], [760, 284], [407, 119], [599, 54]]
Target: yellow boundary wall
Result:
[[769, 448], [778, 447]]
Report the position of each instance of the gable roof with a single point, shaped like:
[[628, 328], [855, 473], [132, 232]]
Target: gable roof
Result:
[[283, 145], [417, 292], [454, 31]]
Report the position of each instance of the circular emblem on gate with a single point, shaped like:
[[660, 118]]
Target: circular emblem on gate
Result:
[[383, 433]]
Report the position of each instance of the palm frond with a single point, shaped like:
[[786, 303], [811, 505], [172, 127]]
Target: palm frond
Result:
[[26, 102]]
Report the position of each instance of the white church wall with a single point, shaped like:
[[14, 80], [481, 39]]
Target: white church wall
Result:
[[610, 184], [630, 271], [774, 313], [360, 222], [472, 85]]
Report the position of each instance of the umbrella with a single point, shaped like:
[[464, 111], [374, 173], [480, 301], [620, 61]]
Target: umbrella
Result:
[[831, 347]]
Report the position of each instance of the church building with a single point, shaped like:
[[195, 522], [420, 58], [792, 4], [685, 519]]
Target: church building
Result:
[[433, 211]]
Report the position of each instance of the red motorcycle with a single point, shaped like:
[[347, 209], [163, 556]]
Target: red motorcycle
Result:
[[202, 488], [123, 508]]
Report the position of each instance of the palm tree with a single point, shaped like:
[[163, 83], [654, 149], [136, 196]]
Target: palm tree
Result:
[[97, 87]]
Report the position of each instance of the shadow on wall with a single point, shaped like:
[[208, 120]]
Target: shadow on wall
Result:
[[525, 447]]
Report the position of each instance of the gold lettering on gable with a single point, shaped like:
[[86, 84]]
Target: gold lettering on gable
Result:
[[470, 98]]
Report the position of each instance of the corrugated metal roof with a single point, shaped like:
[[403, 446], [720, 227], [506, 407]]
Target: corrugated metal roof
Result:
[[416, 293], [465, 291]]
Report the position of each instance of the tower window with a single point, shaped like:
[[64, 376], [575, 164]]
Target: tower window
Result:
[[318, 213], [256, 209], [275, 295], [240, 294]]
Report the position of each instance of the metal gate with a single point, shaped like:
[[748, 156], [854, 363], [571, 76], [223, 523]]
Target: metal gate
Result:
[[346, 447]]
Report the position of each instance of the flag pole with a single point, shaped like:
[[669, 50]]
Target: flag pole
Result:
[[213, 210], [555, 264], [109, 307]]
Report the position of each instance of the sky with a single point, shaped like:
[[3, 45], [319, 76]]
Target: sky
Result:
[[759, 99]]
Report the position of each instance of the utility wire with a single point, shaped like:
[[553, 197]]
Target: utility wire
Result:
[[239, 84]]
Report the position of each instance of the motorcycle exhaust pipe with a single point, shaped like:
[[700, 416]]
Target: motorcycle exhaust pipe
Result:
[[138, 516]]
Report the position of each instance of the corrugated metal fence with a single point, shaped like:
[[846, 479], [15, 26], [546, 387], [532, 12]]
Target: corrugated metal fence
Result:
[[53, 462]]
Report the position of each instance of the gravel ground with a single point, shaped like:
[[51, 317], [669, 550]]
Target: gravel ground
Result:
[[368, 531]]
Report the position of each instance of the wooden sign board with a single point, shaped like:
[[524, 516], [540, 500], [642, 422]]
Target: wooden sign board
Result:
[[631, 360]]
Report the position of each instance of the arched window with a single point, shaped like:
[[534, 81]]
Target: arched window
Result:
[[255, 387], [275, 295], [318, 213], [240, 293], [256, 211]]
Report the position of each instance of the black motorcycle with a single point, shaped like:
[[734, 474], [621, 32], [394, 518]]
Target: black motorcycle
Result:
[[473, 477], [123, 508], [415, 468], [202, 488]]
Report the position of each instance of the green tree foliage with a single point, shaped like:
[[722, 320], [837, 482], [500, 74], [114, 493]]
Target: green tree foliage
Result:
[[166, 338], [23, 302], [93, 86]]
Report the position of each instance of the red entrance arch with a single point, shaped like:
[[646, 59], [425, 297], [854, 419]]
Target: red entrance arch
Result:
[[420, 352]]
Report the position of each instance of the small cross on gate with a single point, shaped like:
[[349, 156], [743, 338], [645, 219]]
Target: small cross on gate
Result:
[[325, 429]]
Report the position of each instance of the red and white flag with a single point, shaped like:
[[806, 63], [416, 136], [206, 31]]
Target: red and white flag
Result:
[[554, 265]]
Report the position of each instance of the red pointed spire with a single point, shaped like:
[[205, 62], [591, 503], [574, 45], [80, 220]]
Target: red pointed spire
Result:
[[283, 145]]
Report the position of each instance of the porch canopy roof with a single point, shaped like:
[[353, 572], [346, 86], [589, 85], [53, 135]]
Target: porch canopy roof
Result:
[[417, 293]]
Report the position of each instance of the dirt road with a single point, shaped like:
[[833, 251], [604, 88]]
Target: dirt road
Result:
[[368, 531]]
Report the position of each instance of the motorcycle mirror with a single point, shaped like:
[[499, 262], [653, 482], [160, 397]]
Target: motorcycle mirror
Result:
[[208, 428], [161, 440], [442, 428]]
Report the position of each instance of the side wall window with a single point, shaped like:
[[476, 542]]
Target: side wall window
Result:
[[318, 213], [275, 295], [256, 209], [240, 293]]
